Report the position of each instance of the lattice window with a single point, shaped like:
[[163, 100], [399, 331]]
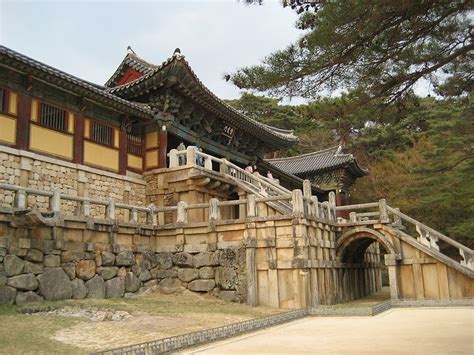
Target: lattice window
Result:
[[101, 133], [134, 144], [52, 117]]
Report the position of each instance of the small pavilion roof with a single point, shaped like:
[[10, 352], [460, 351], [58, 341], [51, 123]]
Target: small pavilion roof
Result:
[[319, 161], [178, 69]]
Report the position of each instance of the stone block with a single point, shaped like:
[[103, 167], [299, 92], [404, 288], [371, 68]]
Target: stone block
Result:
[[132, 283], [25, 282], [13, 265], [51, 260], [108, 259], [145, 275], [201, 285], [170, 285], [206, 259], [149, 261], [122, 272], [226, 278], [183, 259], [54, 284], [7, 295], [79, 289], [34, 255], [95, 287], [108, 272], [70, 270], [33, 268], [164, 260], [228, 296], [187, 275], [85, 269], [115, 288], [157, 273], [71, 255], [206, 272], [228, 257], [27, 297], [125, 258]]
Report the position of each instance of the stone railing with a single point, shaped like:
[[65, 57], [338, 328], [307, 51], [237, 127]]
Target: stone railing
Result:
[[298, 203], [380, 212]]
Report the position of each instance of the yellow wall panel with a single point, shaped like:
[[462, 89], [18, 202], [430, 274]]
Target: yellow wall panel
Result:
[[100, 156], [70, 124], [34, 110], [51, 142], [135, 162], [152, 140], [13, 104], [7, 129], [152, 158], [87, 125], [116, 137]]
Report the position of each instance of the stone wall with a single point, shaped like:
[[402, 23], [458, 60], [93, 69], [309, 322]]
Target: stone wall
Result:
[[45, 173]]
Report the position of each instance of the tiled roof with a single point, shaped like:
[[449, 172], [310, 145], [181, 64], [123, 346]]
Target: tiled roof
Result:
[[323, 160], [133, 61], [200, 91], [55, 76]]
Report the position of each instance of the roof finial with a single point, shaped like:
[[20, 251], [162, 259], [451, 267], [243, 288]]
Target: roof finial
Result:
[[339, 150], [177, 51], [130, 50]]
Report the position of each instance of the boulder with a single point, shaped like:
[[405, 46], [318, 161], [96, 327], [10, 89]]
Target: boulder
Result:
[[25, 282], [79, 289], [125, 258], [164, 260], [27, 297], [183, 259], [70, 270], [95, 287], [109, 272], [187, 275], [206, 259], [132, 283], [7, 295], [226, 278], [51, 260], [201, 285], [3, 278], [85, 269], [145, 275], [13, 265], [228, 296], [34, 255], [54, 284], [71, 255], [157, 273], [169, 285], [122, 271], [148, 261], [33, 268], [115, 288], [228, 257], [108, 259], [206, 272]]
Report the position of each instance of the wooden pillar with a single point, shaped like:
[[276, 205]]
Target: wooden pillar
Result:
[[78, 139], [23, 122], [163, 141], [123, 151]]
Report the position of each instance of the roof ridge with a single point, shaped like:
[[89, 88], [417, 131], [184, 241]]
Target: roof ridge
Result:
[[317, 152]]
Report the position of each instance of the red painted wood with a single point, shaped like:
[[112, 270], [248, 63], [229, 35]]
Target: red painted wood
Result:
[[78, 139], [163, 148], [123, 161], [23, 122], [129, 75]]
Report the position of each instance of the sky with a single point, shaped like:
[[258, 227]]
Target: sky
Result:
[[88, 39]]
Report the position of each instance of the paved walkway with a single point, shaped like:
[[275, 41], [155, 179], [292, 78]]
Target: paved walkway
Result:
[[402, 330]]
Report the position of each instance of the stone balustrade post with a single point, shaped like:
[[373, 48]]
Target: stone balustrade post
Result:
[[134, 215], [314, 206], [214, 210], [307, 188], [397, 221], [251, 206], [191, 155], [297, 201], [467, 259], [151, 215], [332, 205], [353, 217], [182, 213], [20, 199], [383, 211], [85, 208], [223, 168], [110, 209], [207, 163], [55, 201], [174, 161]]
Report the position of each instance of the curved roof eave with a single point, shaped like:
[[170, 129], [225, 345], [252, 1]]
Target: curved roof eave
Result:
[[285, 137]]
